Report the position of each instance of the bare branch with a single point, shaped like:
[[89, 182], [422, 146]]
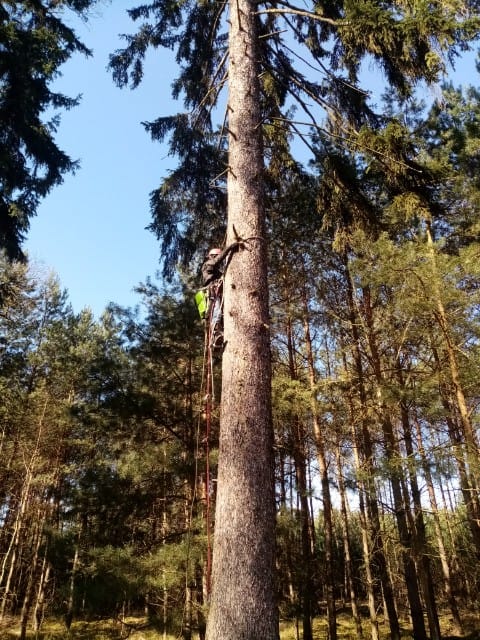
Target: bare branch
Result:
[[302, 12]]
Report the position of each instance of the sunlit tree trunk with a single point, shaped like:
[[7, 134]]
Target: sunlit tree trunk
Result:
[[395, 476], [243, 587], [467, 484], [447, 577], [324, 481], [71, 584], [357, 415], [39, 608], [9, 562], [459, 398], [365, 446], [33, 571], [417, 526], [366, 542], [347, 545], [299, 455], [287, 559]]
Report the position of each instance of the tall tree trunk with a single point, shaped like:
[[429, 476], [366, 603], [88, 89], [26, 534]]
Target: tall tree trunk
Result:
[[322, 462], [470, 495], [418, 528], [306, 575], [16, 540], [378, 558], [447, 574], [395, 475], [366, 542], [39, 608], [71, 584], [299, 456], [33, 572], [288, 561], [347, 547], [9, 562], [459, 398], [243, 586]]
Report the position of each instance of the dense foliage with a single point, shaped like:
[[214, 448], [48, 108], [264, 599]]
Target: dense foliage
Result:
[[375, 356]]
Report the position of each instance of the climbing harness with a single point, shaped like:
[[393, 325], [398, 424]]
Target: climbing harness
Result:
[[209, 404], [213, 336], [215, 315]]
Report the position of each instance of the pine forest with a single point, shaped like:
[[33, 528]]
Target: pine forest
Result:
[[316, 475]]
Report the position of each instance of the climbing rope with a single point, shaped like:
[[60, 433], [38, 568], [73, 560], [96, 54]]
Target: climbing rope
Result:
[[212, 332], [208, 422]]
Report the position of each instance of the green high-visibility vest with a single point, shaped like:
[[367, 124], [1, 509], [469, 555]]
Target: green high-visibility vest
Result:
[[201, 300]]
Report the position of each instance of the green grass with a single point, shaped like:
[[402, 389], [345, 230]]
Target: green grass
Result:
[[346, 629], [137, 629], [80, 630]]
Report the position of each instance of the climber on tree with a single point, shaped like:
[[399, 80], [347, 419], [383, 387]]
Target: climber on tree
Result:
[[212, 267], [210, 299]]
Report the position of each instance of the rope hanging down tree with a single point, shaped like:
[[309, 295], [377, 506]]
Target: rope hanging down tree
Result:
[[213, 315]]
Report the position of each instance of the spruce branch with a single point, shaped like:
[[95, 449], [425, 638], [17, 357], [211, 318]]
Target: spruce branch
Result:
[[291, 10]]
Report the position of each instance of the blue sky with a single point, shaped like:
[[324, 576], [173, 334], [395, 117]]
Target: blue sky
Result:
[[91, 230]]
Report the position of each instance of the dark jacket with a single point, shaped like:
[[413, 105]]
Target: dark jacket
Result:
[[212, 267]]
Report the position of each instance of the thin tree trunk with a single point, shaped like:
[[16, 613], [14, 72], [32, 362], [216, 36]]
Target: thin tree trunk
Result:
[[347, 545], [15, 541], [39, 609], [471, 443], [71, 586], [306, 578], [418, 526], [364, 521], [288, 569], [33, 572], [366, 545], [10, 557], [243, 585], [447, 576], [377, 552], [299, 455], [395, 474], [467, 485], [322, 462]]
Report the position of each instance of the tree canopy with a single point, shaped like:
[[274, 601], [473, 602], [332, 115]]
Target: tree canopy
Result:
[[310, 65]]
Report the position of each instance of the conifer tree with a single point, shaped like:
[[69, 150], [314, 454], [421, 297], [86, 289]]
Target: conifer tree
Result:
[[263, 82], [34, 43]]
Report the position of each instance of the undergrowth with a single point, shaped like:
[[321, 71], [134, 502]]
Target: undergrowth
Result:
[[138, 629]]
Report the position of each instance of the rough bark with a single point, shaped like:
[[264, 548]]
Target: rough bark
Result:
[[243, 601]]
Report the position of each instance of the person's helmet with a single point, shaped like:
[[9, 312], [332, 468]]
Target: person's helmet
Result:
[[214, 252]]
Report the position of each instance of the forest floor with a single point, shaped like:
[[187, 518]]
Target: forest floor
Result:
[[138, 629]]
